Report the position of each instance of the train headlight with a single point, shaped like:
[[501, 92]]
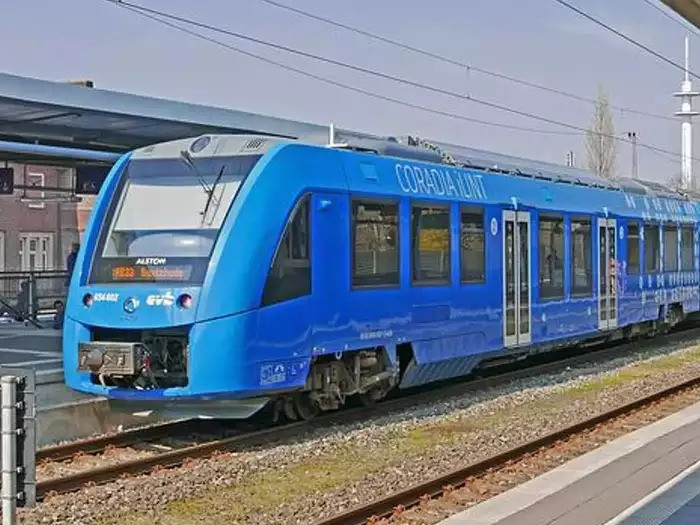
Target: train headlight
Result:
[[185, 301], [88, 299]]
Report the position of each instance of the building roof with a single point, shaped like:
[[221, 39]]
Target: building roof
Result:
[[688, 9], [83, 117]]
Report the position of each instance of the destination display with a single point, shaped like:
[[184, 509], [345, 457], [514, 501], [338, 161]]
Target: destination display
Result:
[[151, 273], [126, 269]]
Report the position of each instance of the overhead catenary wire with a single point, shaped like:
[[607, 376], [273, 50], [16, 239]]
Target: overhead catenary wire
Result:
[[164, 17], [346, 86], [668, 15], [459, 63], [625, 37]]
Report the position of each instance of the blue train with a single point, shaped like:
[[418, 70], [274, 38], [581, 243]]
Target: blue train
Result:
[[224, 273]]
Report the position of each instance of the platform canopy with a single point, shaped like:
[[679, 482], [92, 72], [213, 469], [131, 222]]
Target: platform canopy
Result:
[[83, 118], [688, 9]]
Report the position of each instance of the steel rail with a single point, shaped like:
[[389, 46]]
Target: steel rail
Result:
[[95, 445], [177, 457], [434, 488]]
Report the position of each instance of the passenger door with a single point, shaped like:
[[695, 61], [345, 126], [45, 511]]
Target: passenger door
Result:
[[607, 274], [517, 293], [330, 251], [285, 317]]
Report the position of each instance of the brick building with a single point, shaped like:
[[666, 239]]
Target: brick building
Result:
[[37, 226]]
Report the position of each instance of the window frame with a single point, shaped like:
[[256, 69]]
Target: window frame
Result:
[[38, 202], [303, 198], [634, 222], [591, 220], [353, 231], [430, 282], [657, 267], [691, 229], [481, 210], [674, 226], [556, 216]]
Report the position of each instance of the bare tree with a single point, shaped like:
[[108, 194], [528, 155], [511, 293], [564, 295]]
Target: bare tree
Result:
[[601, 144], [675, 182]]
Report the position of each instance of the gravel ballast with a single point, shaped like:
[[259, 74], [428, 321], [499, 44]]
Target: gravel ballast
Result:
[[323, 472]]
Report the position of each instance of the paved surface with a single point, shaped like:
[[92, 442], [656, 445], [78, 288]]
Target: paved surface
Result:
[[676, 502], [605, 486], [22, 346]]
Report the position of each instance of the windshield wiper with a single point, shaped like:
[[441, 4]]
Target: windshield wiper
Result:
[[211, 193], [187, 159]]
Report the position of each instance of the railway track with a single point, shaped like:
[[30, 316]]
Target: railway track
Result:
[[200, 439], [397, 503]]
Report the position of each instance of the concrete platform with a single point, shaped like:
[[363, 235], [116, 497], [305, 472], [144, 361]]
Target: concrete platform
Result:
[[62, 414], [677, 502], [617, 482]]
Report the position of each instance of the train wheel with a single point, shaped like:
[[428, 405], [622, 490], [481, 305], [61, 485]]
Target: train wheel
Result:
[[290, 409], [365, 400], [306, 407]]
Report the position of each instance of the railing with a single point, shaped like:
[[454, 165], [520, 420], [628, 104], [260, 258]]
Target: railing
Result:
[[24, 295]]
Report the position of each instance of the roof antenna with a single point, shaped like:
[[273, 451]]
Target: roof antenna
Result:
[[331, 138]]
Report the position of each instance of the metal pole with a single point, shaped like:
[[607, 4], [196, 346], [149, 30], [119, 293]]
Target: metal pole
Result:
[[31, 295], [9, 452], [632, 135]]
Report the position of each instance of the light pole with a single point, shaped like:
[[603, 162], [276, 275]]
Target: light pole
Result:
[[632, 136]]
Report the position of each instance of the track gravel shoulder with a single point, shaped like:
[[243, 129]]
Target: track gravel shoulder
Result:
[[330, 469]]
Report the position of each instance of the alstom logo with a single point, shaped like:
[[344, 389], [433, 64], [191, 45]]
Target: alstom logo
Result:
[[151, 261]]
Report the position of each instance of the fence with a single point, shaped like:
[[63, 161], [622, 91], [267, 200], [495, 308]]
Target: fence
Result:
[[24, 295], [18, 443]]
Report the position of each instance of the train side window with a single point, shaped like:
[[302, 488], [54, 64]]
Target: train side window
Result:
[[581, 258], [652, 250], [551, 244], [687, 249], [633, 248], [472, 253], [375, 243], [430, 244], [670, 248], [290, 274]]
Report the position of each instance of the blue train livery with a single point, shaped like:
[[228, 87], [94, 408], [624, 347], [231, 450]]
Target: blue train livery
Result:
[[225, 273]]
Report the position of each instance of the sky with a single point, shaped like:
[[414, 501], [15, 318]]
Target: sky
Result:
[[537, 40]]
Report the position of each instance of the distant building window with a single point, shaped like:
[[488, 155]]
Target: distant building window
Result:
[[290, 274], [581, 258], [36, 251], [670, 248], [472, 251], [633, 248], [687, 249], [430, 244], [375, 243], [551, 252], [652, 251], [34, 197]]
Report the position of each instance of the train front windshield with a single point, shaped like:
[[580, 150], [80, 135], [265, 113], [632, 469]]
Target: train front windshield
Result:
[[165, 217]]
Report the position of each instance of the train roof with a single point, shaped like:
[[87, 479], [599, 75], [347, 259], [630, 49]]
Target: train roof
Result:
[[466, 157], [416, 148]]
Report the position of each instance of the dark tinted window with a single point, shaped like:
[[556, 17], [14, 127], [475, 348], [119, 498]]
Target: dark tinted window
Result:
[[687, 249], [430, 244], [290, 274], [670, 248], [376, 243], [581, 258], [633, 248], [551, 252], [472, 252], [652, 253]]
